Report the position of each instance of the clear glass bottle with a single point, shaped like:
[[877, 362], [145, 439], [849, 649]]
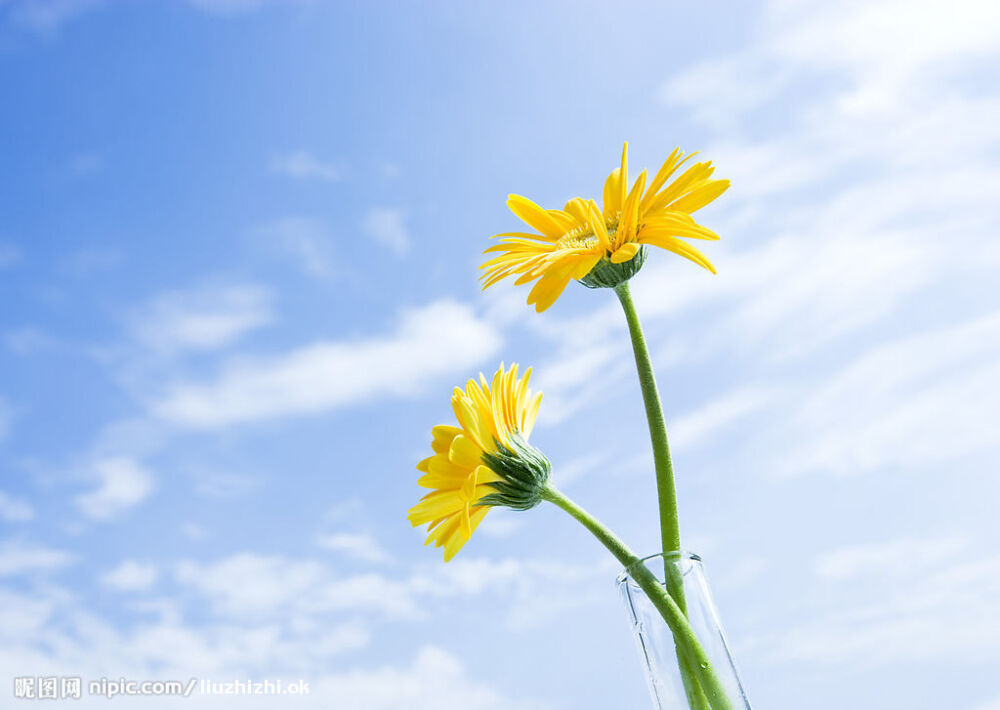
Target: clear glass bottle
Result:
[[658, 654]]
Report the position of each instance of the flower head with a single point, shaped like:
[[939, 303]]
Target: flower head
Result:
[[584, 239], [483, 462]]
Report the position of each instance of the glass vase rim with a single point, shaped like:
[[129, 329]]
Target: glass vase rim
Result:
[[673, 555]]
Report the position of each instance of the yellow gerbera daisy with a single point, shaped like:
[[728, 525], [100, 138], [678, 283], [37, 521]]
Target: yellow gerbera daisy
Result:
[[483, 462], [580, 238]]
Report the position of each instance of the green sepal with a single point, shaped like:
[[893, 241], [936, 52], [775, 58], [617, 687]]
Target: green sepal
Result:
[[524, 470], [607, 274]]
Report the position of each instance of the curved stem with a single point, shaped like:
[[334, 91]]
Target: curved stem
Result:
[[694, 660], [666, 492]]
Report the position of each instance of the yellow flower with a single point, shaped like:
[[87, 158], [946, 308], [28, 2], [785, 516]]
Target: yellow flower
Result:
[[569, 243], [483, 462]]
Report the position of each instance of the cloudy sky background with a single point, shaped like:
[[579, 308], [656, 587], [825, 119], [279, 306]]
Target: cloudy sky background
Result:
[[238, 244]]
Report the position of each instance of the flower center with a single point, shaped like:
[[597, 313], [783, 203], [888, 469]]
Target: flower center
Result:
[[583, 237]]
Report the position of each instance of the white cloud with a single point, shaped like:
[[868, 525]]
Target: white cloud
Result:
[[909, 403], [524, 593], [868, 210], [223, 484], [228, 7], [90, 261], [123, 483], [385, 226], [503, 523], [306, 240], [436, 680], [6, 415], [193, 531], [84, 164], [304, 166], [48, 16], [261, 587], [890, 557], [15, 510], [568, 472], [200, 319], [432, 341], [18, 558], [993, 704], [249, 584], [694, 427], [359, 546], [47, 632], [131, 576], [27, 340], [883, 601], [9, 255], [888, 50]]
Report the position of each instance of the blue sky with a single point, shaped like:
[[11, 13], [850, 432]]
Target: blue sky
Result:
[[238, 244]]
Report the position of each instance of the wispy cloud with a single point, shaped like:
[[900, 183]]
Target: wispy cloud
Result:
[[205, 318], [15, 510], [131, 576], [893, 596], [9, 255], [27, 340], [909, 403], [228, 7], [83, 165], [309, 241], [385, 225], [18, 557], [259, 586], [694, 427], [429, 342], [6, 416], [435, 680], [224, 484], [122, 484], [46, 16], [358, 546], [869, 200], [90, 261], [304, 166], [992, 704]]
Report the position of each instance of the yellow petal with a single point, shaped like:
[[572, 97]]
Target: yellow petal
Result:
[[443, 466], [485, 475], [443, 435], [682, 248], [623, 176], [585, 265], [579, 208], [700, 196], [435, 505], [669, 167], [546, 291], [530, 413], [535, 216], [625, 253], [468, 490], [688, 180], [466, 415], [612, 193], [630, 212], [596, 221]]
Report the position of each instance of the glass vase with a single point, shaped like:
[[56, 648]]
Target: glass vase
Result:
[[669, 685]]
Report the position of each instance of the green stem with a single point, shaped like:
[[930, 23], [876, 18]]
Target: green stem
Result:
[[694, 658], [670, 533], [666, 491]]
